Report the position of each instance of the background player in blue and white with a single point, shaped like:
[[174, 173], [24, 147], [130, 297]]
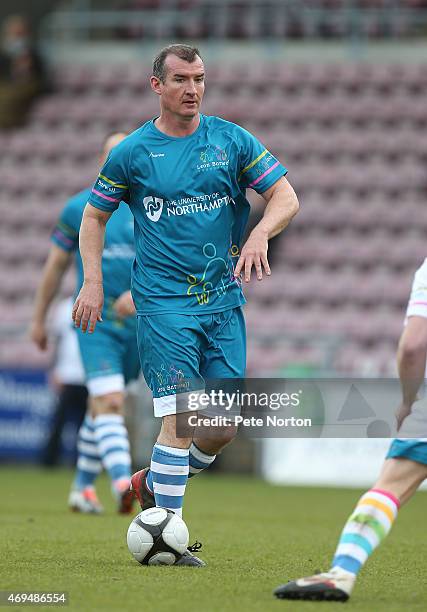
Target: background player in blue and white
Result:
[[110, 358], [184, 176], [404, 469]]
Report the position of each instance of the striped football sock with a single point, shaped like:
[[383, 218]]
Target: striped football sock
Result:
[[113, 447], [88, 461], [366, 528], [198, 460], [169, 474]]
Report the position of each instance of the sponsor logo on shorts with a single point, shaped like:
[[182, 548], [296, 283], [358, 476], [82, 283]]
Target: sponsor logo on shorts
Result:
[[170, 379]]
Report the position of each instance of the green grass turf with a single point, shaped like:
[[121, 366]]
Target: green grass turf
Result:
[[255, 537]]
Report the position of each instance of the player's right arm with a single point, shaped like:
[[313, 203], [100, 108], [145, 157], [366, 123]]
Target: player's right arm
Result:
[[54, 269], [88, 305], [411, 361], [111, 186]]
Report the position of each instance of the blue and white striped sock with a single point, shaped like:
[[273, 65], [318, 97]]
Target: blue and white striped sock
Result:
[[88, 461], [198, 460], [168, 476], [113, 447]]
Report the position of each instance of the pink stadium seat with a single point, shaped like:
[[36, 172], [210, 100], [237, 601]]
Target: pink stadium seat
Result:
[[73, 79]]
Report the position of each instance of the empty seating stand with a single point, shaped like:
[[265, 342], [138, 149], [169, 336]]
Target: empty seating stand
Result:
[[353, 138]]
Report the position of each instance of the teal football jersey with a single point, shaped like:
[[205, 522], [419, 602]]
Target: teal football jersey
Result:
[[117, 257], [188, 198]]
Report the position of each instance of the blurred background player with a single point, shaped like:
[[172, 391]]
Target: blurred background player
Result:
[[110, 357], [67, 378], [190, 326], [403, 471], [22, 71]]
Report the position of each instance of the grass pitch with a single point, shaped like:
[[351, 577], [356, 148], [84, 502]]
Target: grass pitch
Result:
[[255, 537]]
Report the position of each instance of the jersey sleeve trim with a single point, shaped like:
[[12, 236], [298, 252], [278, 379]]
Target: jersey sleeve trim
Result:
[[112, 182], [67, 229], [63, 241], [256, 181], [105, 197], [255, 161], [104, 208]]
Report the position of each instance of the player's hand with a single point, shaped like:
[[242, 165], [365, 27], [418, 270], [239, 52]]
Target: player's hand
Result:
[[87, 308], [254, 253], [54, 382], [124, 306], [401, 413], [38, 334]]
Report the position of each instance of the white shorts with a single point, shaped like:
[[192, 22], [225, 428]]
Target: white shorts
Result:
[[102, 385], [417, 305]]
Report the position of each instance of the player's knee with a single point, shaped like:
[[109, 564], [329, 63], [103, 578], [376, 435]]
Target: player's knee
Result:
[[111, 403], [412, 349], [175, 431], [401, 477], [224, 436]]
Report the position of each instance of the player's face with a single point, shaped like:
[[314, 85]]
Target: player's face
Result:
[[184, 86]]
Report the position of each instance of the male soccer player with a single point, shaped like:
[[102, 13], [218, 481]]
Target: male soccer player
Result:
[[403, 471], [110, 358], [184, 176]]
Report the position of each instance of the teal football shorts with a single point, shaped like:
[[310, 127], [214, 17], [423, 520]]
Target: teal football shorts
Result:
[[180, 352]]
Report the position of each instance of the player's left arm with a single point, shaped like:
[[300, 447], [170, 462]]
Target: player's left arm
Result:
[[281, 206]]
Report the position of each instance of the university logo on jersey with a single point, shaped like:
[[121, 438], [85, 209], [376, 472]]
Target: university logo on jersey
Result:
[[154, 207]]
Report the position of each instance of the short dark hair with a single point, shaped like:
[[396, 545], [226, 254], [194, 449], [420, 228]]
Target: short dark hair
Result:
[[184, 52]]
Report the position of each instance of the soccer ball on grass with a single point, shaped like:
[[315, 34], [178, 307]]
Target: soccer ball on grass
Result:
[[157, 537]]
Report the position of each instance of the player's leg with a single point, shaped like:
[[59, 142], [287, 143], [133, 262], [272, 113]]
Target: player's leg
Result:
[[367, 526], [224, 361], [102, 356], [170, 357], [83, 496], [71, 403], [376, 511], [174, 349], [168, 473], [130, 368], [112, 438]]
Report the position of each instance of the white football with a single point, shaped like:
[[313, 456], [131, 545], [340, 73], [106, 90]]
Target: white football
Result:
[[157, 537]]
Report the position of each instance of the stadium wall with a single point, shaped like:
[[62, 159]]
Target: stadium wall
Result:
[[334, 462]]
